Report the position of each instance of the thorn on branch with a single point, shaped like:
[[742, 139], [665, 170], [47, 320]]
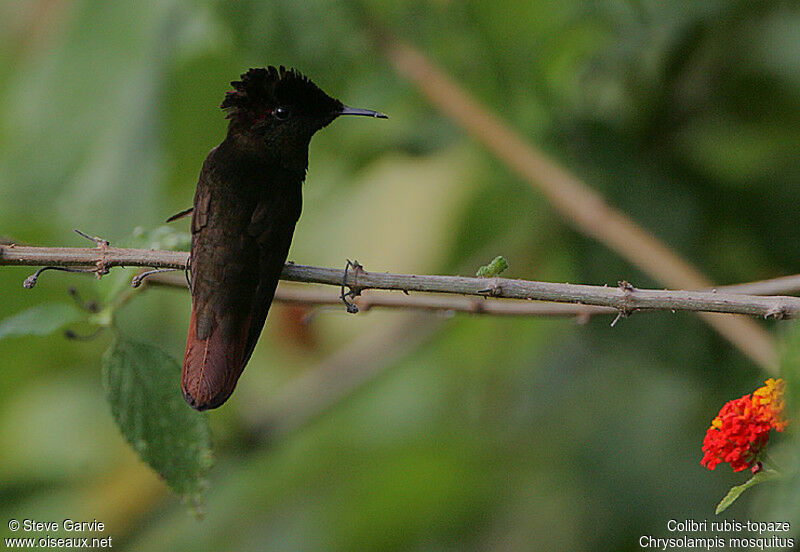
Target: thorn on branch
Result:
[[624, 310], [620, 315], [355, 290], [626, 286], [102, 245], [777, 312], [31, 280], [100, 265], [139, 278], [493, 290]]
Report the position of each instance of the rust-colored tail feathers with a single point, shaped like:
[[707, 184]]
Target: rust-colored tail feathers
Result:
[[212, 366]]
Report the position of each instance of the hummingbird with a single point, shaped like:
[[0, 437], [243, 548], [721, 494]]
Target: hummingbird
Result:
[[246, 205]]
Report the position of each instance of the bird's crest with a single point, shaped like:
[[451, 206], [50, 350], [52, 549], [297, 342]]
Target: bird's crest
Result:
[[261, 89]]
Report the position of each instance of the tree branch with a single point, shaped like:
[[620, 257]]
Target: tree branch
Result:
[[304, 295], [441, 303], [625, 298]]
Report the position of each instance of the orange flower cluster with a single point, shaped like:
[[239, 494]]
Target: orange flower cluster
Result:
[[742, 427]]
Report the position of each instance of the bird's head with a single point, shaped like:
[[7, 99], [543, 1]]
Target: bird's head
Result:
[[281, 109]]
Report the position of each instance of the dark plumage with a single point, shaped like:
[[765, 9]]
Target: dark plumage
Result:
[[247, 202]]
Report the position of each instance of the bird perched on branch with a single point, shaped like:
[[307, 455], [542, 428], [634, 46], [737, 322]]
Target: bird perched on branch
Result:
[[247, 202]]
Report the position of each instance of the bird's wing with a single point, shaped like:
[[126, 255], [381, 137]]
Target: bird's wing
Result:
[[224, 261], [238, 251], [271, 226]]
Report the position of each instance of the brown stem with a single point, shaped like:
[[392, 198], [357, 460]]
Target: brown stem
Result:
[[624, 298], [305, 295]]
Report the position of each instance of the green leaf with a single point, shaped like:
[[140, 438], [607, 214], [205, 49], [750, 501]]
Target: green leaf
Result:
[[736, 492], [42, 319], [498, 265], [142, 386]]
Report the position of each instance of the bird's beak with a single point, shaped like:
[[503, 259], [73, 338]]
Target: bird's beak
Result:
[[366, 112]]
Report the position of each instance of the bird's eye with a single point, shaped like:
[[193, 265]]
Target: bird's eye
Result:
[[281, 113]]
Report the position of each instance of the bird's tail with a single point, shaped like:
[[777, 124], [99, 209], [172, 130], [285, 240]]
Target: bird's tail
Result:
[[212, 366]]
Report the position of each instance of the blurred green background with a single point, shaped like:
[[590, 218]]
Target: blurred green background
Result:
[[479, 433]]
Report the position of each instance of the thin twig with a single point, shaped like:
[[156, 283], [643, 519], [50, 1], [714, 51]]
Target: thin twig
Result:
[[784, 285], [84, 256], [624, 298], [307, 295]]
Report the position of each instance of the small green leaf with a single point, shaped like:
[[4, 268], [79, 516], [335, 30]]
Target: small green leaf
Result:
[[498, 265], [142, 386], [42, 319], [735, 492]]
